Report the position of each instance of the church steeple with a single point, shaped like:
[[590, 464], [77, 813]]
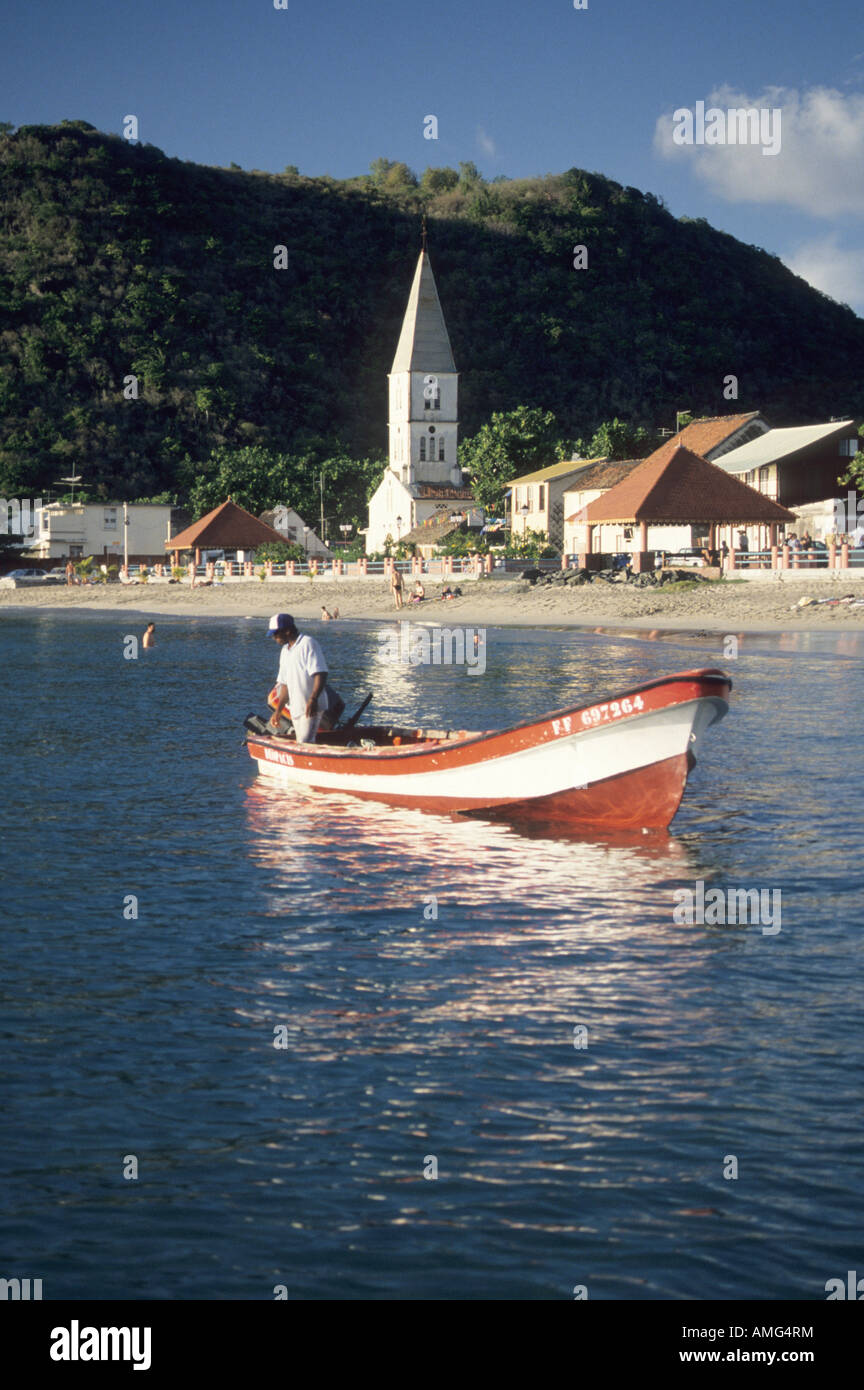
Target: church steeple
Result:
[[424, 389], [424, 344]]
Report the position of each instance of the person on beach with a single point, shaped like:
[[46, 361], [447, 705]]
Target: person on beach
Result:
[[329, 617], [149, 637], [419, 593], [396, 586], [301, 679]]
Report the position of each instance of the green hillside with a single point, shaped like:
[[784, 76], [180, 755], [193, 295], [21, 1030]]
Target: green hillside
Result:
[[117, 261]]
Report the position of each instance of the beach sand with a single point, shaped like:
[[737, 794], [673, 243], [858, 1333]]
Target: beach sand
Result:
[[730, 607]]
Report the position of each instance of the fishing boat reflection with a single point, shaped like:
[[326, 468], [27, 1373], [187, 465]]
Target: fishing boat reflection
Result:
[[334, 838], [382, 927]]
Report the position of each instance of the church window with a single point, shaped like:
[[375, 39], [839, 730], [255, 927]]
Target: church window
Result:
[[441, 449], [422, 448]]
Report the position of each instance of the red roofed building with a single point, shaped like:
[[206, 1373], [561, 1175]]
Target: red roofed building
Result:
[[674, 500], [712, 436], [228, 528]]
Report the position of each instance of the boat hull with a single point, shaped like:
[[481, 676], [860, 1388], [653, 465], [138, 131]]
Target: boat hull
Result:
[[620, 764]]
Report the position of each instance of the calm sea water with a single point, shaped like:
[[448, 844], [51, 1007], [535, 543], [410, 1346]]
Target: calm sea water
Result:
[[411, 1037]]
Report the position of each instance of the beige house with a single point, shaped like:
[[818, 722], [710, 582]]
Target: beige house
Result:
[[536, 500]]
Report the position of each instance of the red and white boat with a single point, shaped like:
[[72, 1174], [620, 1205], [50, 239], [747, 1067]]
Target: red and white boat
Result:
[[618, 763]]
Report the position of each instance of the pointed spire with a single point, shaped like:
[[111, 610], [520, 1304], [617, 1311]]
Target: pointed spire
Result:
[[424, 345]]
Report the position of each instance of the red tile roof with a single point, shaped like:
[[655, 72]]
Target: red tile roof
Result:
[[605, 474], [704, 435], [676, 487], [227, 527]]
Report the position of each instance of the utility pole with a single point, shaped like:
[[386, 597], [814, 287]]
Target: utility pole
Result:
[[321, 481], [126, 536]]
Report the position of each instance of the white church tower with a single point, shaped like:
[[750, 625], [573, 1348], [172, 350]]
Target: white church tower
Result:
[[423, 475], [424, 388]]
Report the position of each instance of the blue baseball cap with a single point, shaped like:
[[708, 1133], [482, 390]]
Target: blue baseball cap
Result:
[[280, 622]]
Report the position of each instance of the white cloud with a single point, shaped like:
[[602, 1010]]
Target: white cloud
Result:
[[830, 268], [486, 143], [818, 168]]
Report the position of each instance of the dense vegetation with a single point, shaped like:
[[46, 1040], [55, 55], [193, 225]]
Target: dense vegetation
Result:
[[116, 261]]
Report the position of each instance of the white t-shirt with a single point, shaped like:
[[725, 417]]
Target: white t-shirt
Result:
[[298, 665]]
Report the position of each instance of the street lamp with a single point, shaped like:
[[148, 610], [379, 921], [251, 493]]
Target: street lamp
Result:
[[398, 528], [524, 509], [306, 530], [346, 529]]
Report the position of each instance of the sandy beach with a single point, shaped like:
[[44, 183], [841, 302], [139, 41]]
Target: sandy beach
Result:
[[722, 607]]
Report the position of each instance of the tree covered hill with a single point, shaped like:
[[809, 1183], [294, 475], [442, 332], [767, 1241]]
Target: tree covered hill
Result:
[[116, 261]]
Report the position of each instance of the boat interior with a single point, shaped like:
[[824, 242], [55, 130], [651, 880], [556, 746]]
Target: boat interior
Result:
[[364, 736]]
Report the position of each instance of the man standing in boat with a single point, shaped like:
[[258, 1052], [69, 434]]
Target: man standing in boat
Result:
[[301, 679]]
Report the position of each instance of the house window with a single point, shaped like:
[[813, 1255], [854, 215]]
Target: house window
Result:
[[109, 521], [848, 448], [541, 497], [441, 458], [422, 448]]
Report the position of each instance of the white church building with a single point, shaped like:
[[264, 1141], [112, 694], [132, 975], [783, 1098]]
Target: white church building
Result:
[[423, 476]]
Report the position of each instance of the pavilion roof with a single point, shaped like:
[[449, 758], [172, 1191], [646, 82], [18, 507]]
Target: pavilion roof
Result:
[[674, 486], [227, 527]]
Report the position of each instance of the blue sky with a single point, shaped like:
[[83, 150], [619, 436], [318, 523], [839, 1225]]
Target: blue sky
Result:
[[519, 87]]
